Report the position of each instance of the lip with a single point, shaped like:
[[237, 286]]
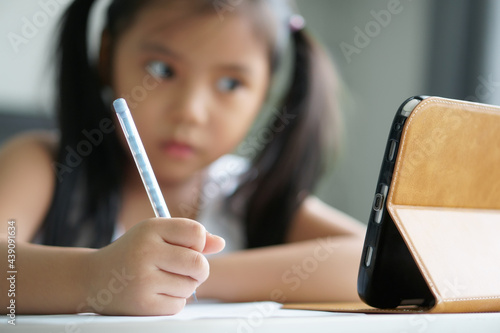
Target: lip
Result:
[[178, 150]]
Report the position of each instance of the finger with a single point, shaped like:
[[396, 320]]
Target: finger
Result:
[[182, 232], [173, 285], [213, 244], [182, 261]]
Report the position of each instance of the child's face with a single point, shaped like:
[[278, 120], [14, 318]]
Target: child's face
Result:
[[194, 84]]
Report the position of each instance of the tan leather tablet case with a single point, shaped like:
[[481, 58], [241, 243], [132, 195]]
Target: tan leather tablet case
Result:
[[445, 200]]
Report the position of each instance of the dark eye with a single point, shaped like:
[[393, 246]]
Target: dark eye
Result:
[[228, 84], [160, 69]]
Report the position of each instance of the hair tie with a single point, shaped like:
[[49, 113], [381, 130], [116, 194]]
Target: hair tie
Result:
[[297, 22]]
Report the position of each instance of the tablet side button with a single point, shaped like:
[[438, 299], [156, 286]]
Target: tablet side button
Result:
[[368, 256], [392, 151], [379, 202]]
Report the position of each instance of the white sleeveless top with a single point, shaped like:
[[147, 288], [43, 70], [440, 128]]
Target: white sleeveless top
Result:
[[223, 178]]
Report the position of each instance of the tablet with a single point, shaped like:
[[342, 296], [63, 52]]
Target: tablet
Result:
[[432, 237]]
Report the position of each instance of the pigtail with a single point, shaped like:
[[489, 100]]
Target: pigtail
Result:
[[287, 168], [87, 166]]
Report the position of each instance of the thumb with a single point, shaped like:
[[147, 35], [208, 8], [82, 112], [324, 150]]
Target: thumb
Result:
[[213, 244]]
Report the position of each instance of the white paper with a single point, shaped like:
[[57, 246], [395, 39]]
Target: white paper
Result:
[[190, 312]]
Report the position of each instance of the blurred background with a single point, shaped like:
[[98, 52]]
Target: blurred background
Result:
[[384, 50]]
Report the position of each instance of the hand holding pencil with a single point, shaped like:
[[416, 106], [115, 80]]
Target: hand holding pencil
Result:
[[156, 265]]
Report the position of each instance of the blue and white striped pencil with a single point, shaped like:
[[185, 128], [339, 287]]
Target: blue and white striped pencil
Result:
[[141, 158]]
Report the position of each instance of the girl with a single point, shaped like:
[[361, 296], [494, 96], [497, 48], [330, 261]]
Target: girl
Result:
[[197, 74]]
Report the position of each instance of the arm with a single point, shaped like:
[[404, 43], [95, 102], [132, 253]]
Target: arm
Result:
[[150, 270], [319, 262], [26, 187], [48, 279]]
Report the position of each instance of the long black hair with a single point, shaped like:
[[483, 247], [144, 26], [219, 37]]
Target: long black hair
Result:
[[286, 170], [91, 160]]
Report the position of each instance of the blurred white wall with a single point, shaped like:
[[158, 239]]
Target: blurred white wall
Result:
[[27, 30]]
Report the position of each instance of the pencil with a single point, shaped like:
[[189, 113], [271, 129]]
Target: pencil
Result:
[[141, 158]]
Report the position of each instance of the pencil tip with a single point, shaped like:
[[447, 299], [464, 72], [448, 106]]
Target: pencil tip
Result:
[[120, 105]]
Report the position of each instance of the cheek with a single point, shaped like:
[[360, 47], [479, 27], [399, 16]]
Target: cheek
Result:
[[233, 128]]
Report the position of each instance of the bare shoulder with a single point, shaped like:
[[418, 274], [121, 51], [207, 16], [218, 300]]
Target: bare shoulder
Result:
[[315, 218], [31, 151], [27, 180], [42, 141]]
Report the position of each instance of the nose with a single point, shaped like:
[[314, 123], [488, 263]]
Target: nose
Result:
[[189, 104]]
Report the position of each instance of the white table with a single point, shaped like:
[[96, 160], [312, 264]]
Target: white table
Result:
[[255, 318]]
